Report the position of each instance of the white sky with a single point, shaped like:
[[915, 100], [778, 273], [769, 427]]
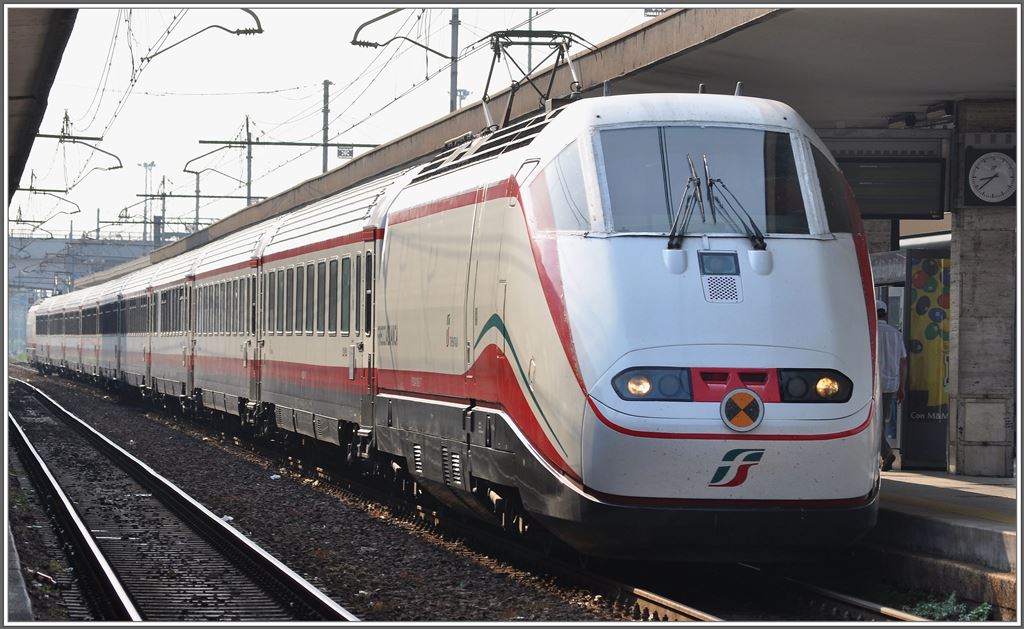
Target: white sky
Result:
[[204, 88]]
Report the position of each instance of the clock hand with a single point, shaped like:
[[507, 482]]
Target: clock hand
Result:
[[987, 181]]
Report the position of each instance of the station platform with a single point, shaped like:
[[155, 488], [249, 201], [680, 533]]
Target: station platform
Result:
[[19, 607], [948, 533]]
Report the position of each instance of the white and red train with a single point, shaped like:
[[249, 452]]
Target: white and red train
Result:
[[645, 322]]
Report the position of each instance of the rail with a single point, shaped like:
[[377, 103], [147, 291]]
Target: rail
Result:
[[197, 515], [111, 599]]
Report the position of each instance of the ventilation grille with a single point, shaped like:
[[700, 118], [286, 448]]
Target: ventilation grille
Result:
[[417, 458], [722, 289], [508, 139], [451, 467], [283, 416]]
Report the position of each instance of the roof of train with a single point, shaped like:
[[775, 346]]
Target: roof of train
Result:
[[365, 205]]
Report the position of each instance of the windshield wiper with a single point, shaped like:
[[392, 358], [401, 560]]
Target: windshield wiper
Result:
[[753, 231], [683, 215]]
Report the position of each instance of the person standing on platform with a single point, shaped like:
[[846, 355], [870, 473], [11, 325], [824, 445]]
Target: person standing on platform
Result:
[[892, 366]]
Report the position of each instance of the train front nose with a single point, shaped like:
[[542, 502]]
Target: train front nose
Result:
[[725, 452]]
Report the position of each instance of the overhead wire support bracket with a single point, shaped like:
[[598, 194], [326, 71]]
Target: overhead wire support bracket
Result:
[[81, 139], [372, 44], [238, 31]]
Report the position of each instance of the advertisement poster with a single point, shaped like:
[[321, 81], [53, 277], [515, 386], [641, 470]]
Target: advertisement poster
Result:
[[927, 336]]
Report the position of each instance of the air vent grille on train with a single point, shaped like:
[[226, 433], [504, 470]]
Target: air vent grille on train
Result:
[[722, 288], [417, 458], [502, 141], [451, 467]]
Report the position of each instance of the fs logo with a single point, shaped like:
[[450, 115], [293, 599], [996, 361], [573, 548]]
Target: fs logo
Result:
[[734, 468]]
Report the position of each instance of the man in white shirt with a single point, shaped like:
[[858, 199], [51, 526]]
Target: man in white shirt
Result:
[[892, 368]]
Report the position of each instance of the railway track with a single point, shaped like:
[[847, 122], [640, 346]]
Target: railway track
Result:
[[143, 549], [656, 598], [830, 603]]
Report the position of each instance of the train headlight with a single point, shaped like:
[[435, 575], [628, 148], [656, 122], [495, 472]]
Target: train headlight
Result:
[[826, 387], [654, 383], [638, 386], [795, 385]]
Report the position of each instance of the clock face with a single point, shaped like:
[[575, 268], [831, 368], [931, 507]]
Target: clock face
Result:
[[993, 177]]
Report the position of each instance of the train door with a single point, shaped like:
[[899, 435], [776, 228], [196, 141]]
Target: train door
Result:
[[251, 339], [80, 340], [119, 334], [364, 274], [485, 297], [256, 317], [147, 343], [188, 337]]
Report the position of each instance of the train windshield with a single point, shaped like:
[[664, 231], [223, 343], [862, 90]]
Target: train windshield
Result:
[[648, 177]]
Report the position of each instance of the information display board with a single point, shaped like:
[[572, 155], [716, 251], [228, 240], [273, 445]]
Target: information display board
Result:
[[897, 187]]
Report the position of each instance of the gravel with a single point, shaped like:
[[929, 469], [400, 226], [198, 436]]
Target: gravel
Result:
[[379, 567]]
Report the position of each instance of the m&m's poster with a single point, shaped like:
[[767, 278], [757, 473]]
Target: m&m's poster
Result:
[[928, 339]]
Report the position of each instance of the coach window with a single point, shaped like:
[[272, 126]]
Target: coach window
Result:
[[225, 312], [243, 310], [238, 310], [225, 294], [164, 318], [289, 300], [346, 293], [279, 320], [368, 302], [358, 275], [252, 304], [321, 295], [265, 314], [271, 301], [229, 309], [222, 320], [236, 307], [310, 297], [332, 296], [300, 298], [236, 293]]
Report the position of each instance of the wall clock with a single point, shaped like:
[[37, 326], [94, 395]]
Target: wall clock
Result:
[[990, 178]]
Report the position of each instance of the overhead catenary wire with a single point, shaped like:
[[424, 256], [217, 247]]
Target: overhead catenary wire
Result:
[[136, 73], [316, 110], [466, 53], [100, 91]]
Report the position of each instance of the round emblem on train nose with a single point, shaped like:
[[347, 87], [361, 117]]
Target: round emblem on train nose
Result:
[[742, 410]]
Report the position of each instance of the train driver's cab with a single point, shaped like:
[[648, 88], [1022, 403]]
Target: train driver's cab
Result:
[[691, 180]]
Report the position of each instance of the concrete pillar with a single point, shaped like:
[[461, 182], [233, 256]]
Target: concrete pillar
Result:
[[983, 298], [877, 233]]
